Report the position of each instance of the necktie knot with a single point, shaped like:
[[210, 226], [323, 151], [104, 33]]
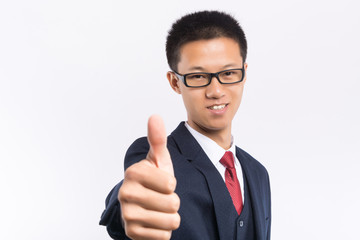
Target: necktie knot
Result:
[[228, 160]]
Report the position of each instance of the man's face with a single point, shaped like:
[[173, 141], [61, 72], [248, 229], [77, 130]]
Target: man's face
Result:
[[210, 109]]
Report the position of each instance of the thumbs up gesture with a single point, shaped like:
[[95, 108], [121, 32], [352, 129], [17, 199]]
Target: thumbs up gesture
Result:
[[148, 202]]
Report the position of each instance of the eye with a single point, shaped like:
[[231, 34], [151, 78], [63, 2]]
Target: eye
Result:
[[229, 73], [196, 76]]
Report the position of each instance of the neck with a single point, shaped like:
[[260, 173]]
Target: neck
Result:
[[221, 136]]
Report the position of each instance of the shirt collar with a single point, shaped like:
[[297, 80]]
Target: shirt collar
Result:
[[210, 147]]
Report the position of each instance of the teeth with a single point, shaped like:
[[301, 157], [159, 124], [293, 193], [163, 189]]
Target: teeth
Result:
[[217, 107]]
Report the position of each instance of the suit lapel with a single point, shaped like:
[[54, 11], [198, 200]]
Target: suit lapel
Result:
[[224, 208], [254, 192]]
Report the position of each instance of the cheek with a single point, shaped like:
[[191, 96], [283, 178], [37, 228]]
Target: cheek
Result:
[[187, 99], [237, 96], [192, 101]]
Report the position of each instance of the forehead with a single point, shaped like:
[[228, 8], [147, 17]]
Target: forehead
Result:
[[210, 54]]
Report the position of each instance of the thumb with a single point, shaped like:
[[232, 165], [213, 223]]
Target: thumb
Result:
[[158, 152]]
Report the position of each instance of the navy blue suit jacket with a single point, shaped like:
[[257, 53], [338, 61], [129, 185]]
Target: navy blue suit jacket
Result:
[[206, 208]]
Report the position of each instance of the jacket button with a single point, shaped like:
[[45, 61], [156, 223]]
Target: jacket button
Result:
[[241, 223]]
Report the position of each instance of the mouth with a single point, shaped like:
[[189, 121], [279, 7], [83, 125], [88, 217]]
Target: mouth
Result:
[[217, 107]]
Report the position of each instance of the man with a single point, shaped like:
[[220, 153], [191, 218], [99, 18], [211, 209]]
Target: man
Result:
[[195, 184]]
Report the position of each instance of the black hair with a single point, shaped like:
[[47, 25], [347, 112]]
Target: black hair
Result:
[[202, 26]]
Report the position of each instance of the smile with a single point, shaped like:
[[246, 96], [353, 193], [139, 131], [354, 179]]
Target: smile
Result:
[[217, 107]]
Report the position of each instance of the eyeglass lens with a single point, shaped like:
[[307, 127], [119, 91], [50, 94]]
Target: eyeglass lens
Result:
[[201, 79]]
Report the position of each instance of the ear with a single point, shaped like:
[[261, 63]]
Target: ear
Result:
[[174, 82], [245, 71]]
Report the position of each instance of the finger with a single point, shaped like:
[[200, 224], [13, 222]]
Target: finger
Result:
[[149, 199], [167, 203], [151, 219], [135, 231], [158, 152], [159, 220], [145, 174]]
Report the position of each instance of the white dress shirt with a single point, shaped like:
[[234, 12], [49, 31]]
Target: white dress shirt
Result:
[[215, 153]]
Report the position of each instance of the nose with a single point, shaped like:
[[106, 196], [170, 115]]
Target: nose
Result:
[[214, 89]]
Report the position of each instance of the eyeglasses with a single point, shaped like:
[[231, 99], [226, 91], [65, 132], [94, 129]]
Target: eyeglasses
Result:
[[202, 79]]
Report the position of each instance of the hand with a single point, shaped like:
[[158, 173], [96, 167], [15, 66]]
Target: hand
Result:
[[148, 202]]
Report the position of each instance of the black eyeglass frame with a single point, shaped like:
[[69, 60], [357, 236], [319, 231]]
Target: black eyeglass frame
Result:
[[183, 77]]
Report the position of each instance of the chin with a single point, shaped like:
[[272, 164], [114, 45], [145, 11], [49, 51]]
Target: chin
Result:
[[217, 126]]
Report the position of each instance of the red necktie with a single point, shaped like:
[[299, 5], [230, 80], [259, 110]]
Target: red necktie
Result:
[[232, 181]]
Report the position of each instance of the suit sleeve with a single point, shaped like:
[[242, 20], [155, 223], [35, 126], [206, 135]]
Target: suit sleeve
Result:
[[269, 207], [111, 216]]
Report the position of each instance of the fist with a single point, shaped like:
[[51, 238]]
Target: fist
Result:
[[149, 205]]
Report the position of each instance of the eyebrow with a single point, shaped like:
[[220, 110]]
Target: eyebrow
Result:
[[196, 68], [199, 68], [231, 65]]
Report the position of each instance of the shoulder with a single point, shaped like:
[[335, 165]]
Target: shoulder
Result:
[[136, 152], [251, 163], [140, 144]]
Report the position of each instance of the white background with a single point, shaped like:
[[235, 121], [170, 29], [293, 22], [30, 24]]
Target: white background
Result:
[[78, 80]]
